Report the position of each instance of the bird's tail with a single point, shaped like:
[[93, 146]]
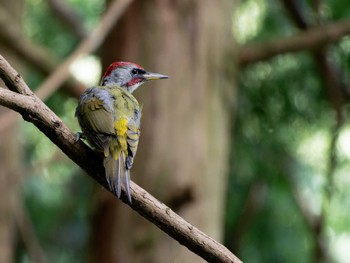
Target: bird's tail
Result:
[[114, 169]]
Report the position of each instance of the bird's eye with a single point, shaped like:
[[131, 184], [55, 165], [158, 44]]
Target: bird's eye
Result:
[[138, 71]]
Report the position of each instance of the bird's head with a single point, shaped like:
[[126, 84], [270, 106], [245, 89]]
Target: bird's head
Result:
[[128, 75]]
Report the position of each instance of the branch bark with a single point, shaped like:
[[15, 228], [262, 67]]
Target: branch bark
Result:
[[312, 39], [333, 77], [21, 99]]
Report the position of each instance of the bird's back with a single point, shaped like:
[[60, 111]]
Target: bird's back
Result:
[[106, 113]]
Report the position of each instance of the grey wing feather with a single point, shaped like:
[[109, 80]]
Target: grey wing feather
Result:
[[133, 135], [96, 117]]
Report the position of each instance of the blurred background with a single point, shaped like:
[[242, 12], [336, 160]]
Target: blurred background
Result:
[[248, 140]]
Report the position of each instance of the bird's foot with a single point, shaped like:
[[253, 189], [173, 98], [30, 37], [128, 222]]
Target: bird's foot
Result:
[[79, 136]]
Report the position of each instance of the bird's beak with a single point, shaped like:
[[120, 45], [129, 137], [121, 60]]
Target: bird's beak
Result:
[[154, 76]]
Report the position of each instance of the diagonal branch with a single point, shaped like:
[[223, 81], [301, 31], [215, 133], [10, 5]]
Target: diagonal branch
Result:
[[312, 39], [34, 110]]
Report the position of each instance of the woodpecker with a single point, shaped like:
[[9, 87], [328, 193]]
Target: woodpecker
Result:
[[109, 116]]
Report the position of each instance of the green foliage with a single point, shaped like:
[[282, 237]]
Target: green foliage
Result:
[[283, 132], [45, 29]]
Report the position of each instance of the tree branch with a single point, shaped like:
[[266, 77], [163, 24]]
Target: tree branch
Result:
[[20, 99], [296, 12], [311, 39], [338, 92]]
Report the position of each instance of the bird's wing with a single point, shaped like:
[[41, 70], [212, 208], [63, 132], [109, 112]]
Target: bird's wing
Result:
[[96, 117], [132, 138], [133, 131]]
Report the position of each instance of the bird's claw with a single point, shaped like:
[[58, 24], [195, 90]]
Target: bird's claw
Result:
[[78, 136]]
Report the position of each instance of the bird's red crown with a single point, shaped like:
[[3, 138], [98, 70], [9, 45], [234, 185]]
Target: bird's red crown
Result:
[[115, 65]]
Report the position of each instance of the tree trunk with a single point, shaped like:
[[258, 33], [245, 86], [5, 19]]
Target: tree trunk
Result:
[[9, 173], [185, 133], [10, 157]]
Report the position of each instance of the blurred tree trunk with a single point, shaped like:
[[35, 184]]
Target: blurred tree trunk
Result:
[[10, 157], [185, 132], [9, 163]]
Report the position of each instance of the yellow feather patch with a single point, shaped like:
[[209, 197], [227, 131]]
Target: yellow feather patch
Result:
[[121, 126], [116, 154]]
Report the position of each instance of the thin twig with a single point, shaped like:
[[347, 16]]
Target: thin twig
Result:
[[34, 110], [311, 39], [332, 165], [297, 13]]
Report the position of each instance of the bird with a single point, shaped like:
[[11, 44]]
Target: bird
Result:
[[109, 117]]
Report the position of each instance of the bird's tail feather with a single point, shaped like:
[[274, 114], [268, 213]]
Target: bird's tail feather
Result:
[[114, 169], [118, 181], [126, 178]]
